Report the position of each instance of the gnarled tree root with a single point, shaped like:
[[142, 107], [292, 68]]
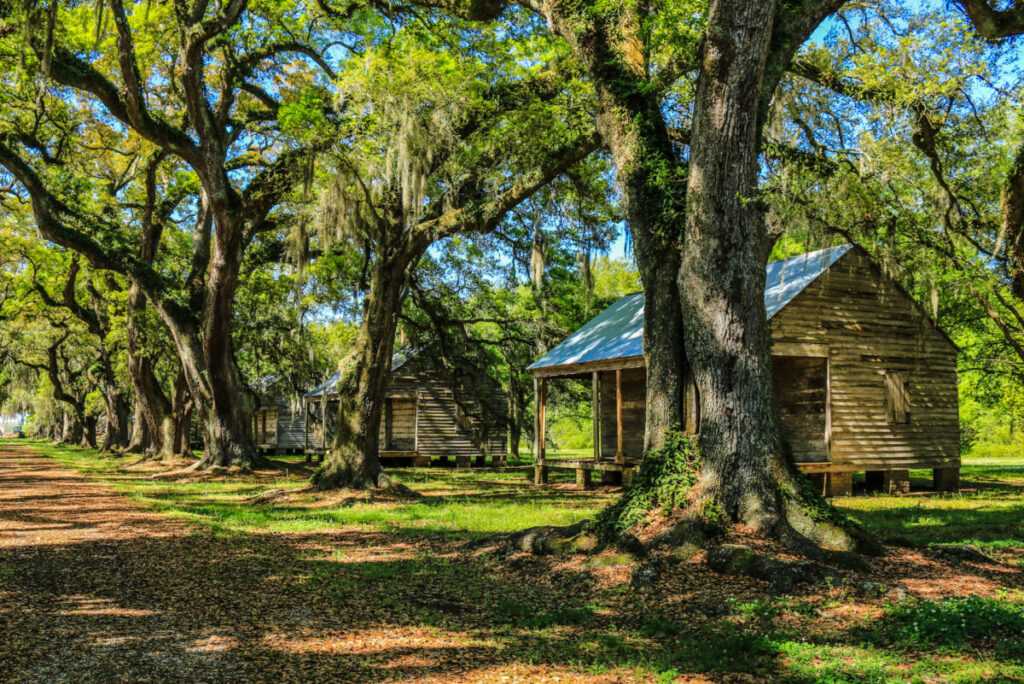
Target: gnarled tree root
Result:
[[781, 575], [274, 495]]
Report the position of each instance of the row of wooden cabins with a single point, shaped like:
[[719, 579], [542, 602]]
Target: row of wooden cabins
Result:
[[865, 380], [426, 418]]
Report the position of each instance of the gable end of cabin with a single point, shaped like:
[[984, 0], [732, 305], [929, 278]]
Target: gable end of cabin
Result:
[[885, 383]]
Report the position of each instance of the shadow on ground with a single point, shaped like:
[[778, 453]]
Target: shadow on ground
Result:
[[94, 588]]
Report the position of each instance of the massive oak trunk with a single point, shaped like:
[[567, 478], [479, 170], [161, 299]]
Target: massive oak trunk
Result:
[[115, 435], [182, 413], [223, 402], [88, 433], [70, 431], [1012, 207], [651, 179], [744, 474], [202, 339], [365, 373], [140, 439], [149, 397], [58, 428], [641, 151], [228, 436]]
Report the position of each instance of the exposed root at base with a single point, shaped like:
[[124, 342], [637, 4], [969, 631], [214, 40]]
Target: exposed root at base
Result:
[[277, 495]]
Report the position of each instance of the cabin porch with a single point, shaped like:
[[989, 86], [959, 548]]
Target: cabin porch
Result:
[[618, 403], [803, 393]]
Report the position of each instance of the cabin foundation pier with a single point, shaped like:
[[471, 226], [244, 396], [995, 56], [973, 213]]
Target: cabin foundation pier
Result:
[[946, 479], [887, 481], [839, 484], [582, 478]]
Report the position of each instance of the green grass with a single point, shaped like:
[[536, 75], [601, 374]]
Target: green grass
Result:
[[458, 503], [609, 629], [988, 512], [988, 452]]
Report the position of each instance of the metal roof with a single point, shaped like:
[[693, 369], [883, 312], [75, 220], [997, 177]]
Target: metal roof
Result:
[[263, 384], [330, 385], [618, 331]]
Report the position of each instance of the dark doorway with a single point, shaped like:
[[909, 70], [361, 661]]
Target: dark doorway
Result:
[[801, 388]]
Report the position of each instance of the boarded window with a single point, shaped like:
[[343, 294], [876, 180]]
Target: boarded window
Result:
[[399, 424], [462, 419], [897, 397]]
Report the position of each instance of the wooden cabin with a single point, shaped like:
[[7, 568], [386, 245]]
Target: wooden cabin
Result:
[[424, 418], [865, 380], [277, 421]]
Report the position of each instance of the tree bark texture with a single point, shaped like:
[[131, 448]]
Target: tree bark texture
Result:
[[516, 413], [229, 420], [1012, 206], [365, 374], [149, 396], [744, 473], [140, 439], [182, 423], [651, 178]]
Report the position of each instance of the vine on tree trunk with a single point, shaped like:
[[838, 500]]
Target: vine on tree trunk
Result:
[[664, 479]]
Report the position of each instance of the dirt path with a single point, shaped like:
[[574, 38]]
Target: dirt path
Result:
[[94, 588], [78, 567]]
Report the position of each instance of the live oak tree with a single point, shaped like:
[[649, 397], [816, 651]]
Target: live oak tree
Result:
[[687, 166], [53, 343], [422, 160], [200, 83], [95, 314], [164, 429]]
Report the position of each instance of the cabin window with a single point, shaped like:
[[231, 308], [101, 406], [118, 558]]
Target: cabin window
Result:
[[400, 424], [462, 419], [265, 427], [897, 397]]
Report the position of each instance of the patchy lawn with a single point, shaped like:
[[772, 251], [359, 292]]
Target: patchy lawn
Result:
[[186, 580]]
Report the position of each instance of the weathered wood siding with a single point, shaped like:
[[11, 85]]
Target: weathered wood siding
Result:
[[870, 327], [443, 429], [284, 427], [634, 392], [420, 412]]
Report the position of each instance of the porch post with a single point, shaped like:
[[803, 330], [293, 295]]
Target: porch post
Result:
[[305, 431], [323, 419], [536, 419], [620, 457], [543, 416], [596, 401]]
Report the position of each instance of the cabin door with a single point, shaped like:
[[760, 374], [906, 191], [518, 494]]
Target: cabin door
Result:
[[801, 389], [265, 427], [400, 424]]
